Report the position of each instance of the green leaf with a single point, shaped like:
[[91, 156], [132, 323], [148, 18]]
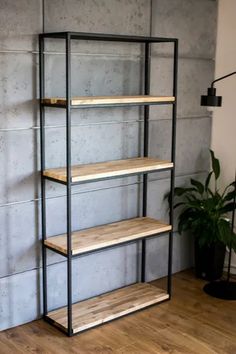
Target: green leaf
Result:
[[215, 164], [225, 232], [211, 193], [178, 191], [227, 208], [194, 203], [230, 196], [233, 184], [178, 204], [208, 180], [198, 185]]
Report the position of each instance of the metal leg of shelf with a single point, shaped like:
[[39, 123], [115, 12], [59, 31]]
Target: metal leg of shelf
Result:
[[145, 151], [42, 162], [173, 148], [68, 187]]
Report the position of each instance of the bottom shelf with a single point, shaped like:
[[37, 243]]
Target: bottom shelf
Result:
[[107, 307]]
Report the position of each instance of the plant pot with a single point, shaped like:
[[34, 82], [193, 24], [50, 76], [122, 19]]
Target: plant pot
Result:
[[209, 261]]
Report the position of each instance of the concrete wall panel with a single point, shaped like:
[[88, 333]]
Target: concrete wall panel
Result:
[[20, 22], [113, 16], [194, 76], [191, 148], [193, 22], [18, 86], [18, 164], [20, 299], [19, 238], [115, 76]]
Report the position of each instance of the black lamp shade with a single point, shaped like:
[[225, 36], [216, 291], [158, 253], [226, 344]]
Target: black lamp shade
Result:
[[211, 99]]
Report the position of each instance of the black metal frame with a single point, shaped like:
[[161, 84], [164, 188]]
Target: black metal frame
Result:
[[68, 36]]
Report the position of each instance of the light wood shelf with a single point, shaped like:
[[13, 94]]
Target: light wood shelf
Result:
[[107, 307], [108, 100], [108, 235], [101, 170]]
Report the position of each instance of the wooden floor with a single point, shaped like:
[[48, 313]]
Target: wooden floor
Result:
[[192, 322]]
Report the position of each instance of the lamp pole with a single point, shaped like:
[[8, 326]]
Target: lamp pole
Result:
[[223, 289], [233, 220]]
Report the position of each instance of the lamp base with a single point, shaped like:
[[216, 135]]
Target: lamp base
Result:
[[223, 289]]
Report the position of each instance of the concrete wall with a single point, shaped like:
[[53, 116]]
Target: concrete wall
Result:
[[224, 123], [104, 69]]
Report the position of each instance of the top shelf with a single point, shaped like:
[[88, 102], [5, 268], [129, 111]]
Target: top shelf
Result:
[[106, 37], [92, 101]]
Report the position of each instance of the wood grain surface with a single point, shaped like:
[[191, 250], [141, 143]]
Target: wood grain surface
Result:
[[107, 100], [115, 168], [108, 235], [104, 308]]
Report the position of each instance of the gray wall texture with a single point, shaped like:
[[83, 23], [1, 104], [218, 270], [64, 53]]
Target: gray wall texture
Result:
[[98, 135]]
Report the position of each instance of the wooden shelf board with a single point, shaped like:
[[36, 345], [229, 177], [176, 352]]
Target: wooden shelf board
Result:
[[82, 173], [107, 307], [107, 100], [108, 235]]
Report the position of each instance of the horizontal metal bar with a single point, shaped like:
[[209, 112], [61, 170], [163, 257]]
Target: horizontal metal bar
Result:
[[107, 37], [55, 180], [107, 178], [125, 175], [53, 323], [53, 35]]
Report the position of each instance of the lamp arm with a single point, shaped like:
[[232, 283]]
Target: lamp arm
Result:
[[221, 78]]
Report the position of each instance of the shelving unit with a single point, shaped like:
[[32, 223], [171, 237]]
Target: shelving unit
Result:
[[86, 314]]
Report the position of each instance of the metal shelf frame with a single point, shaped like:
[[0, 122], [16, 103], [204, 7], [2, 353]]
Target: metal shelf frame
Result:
[[67, 37]]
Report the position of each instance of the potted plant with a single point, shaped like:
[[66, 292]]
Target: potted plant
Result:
[[203, 212]]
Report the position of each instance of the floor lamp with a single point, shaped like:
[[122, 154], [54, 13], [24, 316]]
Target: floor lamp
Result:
[[223, 289]]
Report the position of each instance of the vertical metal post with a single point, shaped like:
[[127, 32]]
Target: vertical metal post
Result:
[[68, 186], [172, 182], [145, 149], [42, 162], [232, 227]]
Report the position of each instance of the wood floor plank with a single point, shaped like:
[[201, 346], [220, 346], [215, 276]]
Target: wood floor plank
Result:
[[199, 331], [108, 169], [191, 323], [108, 100], [108, 235], [105, 308]]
